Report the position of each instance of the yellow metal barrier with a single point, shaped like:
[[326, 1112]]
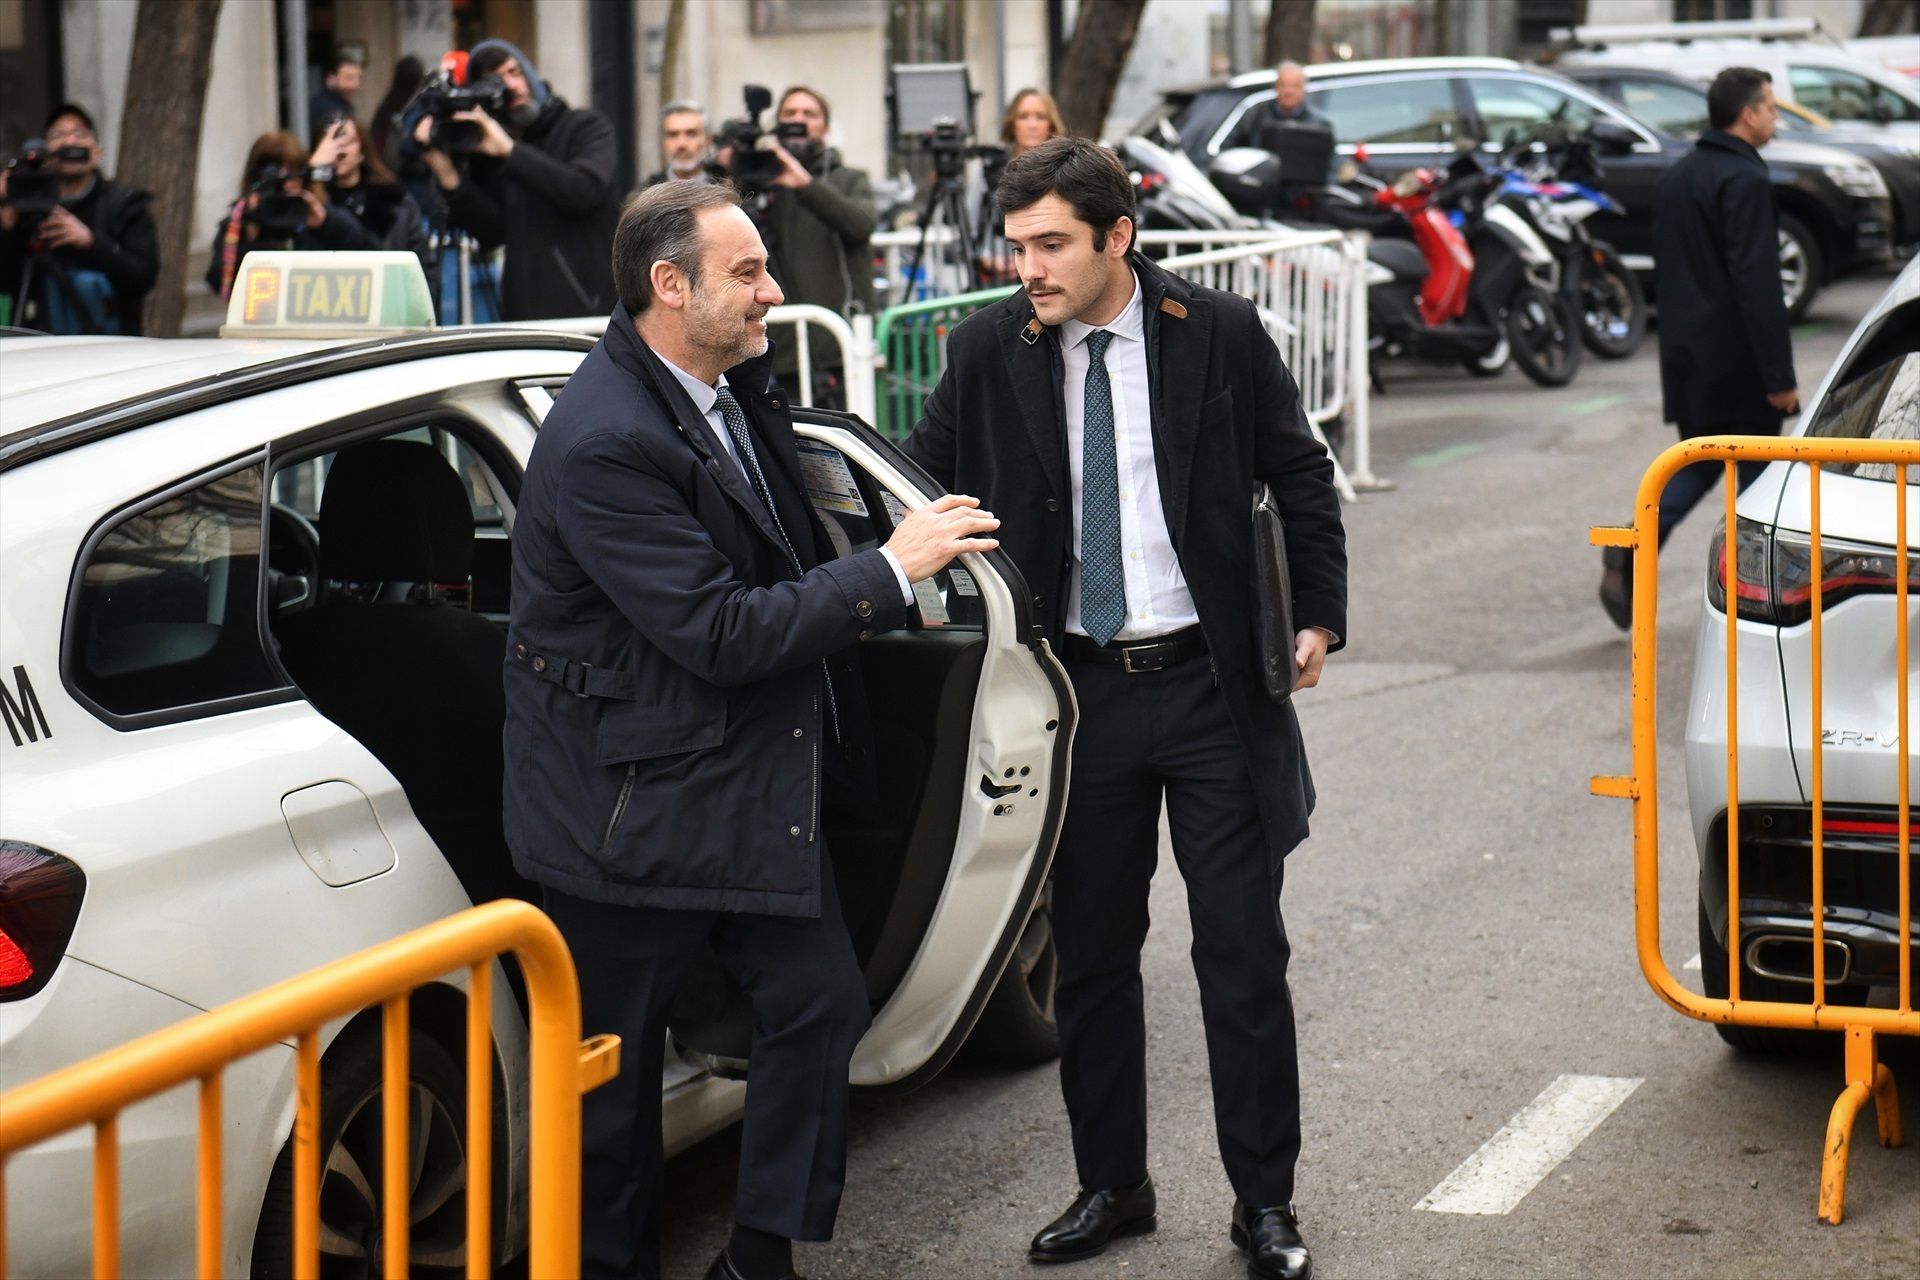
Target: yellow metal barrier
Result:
[[1867, 1078], [562, 1068]]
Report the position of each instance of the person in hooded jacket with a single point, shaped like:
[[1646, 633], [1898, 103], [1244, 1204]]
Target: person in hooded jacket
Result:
[[541, 183]]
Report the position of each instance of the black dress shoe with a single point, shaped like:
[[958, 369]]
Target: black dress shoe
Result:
[[723, 1269], [1271, 1240], [1093, 1221], [1616, 585]]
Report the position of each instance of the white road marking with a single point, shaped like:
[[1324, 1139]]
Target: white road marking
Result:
[[1693, 965], [1499, 1175]]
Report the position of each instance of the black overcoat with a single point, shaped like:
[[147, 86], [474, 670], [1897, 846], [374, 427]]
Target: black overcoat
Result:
[[1226, 415], [1724, 343], [665, 735]]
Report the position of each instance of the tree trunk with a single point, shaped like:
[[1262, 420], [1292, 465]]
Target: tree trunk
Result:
[[160, 136], [1882, 17], [1102, 38], [670, 52], [1441, 18], [1290, 32]]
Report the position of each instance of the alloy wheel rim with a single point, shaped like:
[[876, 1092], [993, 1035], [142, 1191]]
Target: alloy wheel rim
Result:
[[352, 1226]]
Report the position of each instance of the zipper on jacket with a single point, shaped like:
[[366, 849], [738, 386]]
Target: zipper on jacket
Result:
[[619, 807]]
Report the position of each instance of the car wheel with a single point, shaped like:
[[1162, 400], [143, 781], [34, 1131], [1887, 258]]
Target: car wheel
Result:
[[1801, 265], [1771, 1041], [351, 1217], [1018, 1027]]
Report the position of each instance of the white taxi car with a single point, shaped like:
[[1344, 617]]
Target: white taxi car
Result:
[[194, 805], [1871, 392]]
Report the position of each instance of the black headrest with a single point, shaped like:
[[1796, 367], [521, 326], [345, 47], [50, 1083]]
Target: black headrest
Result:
[[395, 511]]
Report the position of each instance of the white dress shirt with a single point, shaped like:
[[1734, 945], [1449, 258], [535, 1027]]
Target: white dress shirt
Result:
[[1158, 602], [706, 398]]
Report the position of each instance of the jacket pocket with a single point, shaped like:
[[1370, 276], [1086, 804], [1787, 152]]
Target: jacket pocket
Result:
[[632, 731]]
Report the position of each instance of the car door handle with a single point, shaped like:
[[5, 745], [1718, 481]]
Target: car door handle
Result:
[[993, 792]]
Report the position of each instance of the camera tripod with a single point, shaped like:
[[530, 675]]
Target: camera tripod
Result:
[[946, 200]]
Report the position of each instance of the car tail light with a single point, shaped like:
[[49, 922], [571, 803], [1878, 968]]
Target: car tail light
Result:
[[1774, 572], [40, 896]]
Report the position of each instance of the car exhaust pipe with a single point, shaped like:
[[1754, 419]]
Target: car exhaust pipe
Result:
[[1787, 957]]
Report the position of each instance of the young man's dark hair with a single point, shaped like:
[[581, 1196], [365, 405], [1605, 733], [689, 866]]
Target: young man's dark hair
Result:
[[662, 224], [73, 109], [1080, 171], [338, 59], [826, 108], [1733, 91]]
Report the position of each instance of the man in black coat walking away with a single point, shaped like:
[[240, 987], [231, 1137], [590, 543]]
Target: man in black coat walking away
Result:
[[676, 685], [1118, 421], [541, 182], [1726, 356]]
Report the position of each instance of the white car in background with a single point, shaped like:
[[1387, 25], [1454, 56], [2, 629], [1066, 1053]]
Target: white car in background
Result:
[[185, 818], [1872, 392]]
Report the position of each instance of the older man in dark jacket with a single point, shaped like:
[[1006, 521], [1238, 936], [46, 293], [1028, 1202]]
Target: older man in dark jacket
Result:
[[676, 685], [1726, 354], [1119, 420], [542, 184]]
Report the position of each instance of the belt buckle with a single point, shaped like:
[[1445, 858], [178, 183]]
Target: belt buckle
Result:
[[568, 683], [1126, 661]]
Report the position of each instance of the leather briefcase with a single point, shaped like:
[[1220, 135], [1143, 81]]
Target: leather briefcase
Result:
[[1273, 596]]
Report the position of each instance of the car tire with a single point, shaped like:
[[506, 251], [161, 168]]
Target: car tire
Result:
[[1018, 1027], [1765, 1041], [350, 1170], [1802, 266]]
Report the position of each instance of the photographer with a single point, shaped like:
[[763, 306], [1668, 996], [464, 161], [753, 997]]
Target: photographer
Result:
[[819, 216], [282, 205], [360, 184], [85, 264], [540, 181]]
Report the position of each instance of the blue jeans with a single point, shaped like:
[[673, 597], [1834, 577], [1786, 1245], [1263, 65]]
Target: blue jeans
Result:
[[1692, 483]]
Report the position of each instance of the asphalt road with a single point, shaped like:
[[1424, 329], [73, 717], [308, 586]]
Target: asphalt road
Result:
[[1462, 928]]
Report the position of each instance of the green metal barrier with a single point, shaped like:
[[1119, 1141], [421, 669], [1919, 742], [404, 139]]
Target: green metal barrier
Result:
[[913, 341]]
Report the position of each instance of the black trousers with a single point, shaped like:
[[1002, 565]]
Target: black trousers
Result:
[[810, 1010], [1141, 737]]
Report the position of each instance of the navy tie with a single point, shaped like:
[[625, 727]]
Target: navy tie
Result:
[[736, 420], [1103, 582]]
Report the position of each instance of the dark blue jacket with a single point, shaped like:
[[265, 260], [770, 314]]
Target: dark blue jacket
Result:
[[664, 695]]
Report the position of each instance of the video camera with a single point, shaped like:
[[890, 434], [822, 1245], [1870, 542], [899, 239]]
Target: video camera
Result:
[[444, 95], [279, 212], [752, 169], [33, 185], [932, 105]]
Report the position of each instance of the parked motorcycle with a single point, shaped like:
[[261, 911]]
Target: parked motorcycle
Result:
[[1556, 187], [1477, 292]]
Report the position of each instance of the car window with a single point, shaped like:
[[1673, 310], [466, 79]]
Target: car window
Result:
[[301, 485], [1526, 108], [1677, 109], [860, 515], [1882, 403], [1390, 111], [1843, 95], [167, 612]]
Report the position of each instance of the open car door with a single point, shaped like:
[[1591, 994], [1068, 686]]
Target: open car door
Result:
[[973, 729]]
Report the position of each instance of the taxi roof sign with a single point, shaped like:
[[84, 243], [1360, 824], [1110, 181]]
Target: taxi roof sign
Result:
[[293, 294]]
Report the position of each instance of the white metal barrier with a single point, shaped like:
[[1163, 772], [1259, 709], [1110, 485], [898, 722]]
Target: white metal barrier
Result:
[[854, 338], [1310, 289]]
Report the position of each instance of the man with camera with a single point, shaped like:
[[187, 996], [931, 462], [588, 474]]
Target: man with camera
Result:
[[533, 174], [78, 253], [685, 144], [818, 219]]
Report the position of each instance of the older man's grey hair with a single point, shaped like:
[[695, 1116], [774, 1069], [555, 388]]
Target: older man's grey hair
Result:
[[1289, 65], [680, 106], [661, 224]]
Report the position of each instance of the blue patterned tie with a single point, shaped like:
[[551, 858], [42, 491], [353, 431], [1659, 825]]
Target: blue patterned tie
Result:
[[1103, 582], [736, 420]]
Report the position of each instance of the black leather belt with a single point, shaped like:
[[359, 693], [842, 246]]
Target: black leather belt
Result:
[[1137, 657]]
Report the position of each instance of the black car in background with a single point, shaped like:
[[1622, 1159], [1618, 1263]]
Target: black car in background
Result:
[[1677, 105], [1417, 112]]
